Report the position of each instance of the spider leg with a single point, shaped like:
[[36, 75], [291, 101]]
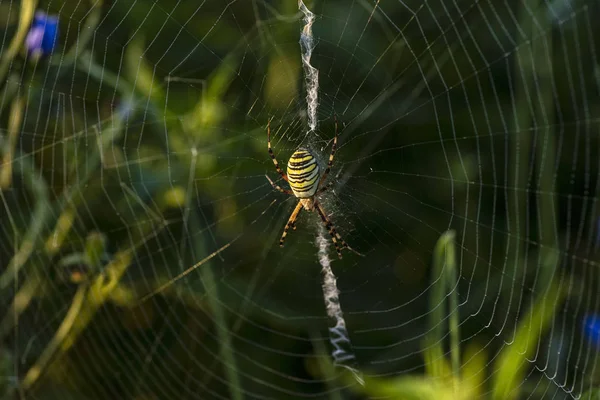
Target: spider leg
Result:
[[279, 171], [293, 223], [282, 190], [326, 187], [335, 237], [330, 184], [338, 242], [332, 154], [290, 222]]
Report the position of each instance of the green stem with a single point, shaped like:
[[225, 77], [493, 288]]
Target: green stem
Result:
[[10, 89], [26, 16], [14, 126]]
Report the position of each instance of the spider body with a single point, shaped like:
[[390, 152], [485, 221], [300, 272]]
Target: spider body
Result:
[[306, 183], [303, 174]]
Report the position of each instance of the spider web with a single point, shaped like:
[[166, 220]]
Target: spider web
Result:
[[138, 150]]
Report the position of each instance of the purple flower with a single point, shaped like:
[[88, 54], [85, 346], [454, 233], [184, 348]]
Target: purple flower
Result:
[[42, 36], [591, 327]]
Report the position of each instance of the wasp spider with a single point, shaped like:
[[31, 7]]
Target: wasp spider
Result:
[[306, 182]]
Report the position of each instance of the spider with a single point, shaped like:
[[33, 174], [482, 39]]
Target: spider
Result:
[[303, 178]]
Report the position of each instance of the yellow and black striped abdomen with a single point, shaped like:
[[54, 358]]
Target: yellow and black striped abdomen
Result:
[[303, 173]]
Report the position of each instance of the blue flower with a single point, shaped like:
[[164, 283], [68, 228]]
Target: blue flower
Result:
[[591, 327], [42, 36]]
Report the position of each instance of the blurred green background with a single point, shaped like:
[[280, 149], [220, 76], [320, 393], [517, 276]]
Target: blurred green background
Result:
[[466, 174]]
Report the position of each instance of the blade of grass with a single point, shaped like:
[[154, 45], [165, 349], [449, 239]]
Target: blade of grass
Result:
[[513, 360], [546, 152], [443, 280], [452, 286]]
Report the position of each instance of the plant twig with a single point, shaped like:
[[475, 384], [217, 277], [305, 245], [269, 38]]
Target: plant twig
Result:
[[14, 126]]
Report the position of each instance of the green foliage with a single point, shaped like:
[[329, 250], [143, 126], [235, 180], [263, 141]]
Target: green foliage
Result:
[[592, 394]]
